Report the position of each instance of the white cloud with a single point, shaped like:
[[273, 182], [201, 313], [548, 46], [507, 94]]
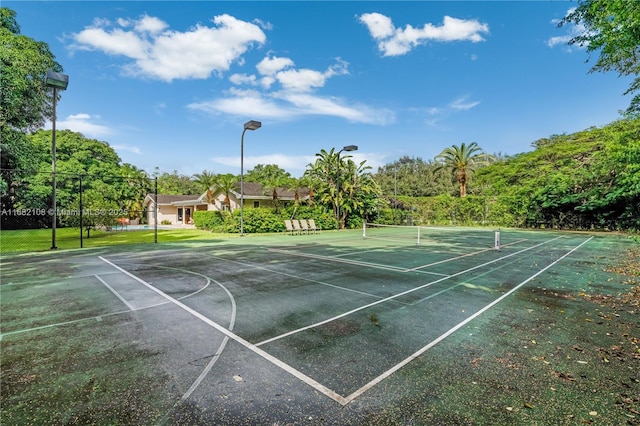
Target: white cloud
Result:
[[82, 123], [244, 103], [394, 41], [239, 79], [439, 114], [462, 104], [294, 97], [305, 80], [271, 65], [287, 162], [133, 149], [160, 53], [380, 26], [301, 80], [150, 24], [315, 105]]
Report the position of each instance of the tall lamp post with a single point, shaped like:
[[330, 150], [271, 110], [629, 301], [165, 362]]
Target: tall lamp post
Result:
[[57, 81], [249, 125], [346, 148]]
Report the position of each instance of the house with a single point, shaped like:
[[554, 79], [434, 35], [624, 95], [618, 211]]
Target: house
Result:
[[175, 209], [178, 209]]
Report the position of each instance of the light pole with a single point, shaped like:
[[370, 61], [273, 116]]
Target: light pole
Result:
[[346, 148], [59, 82], [249, 125]]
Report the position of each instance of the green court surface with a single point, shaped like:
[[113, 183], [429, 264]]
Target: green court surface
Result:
[[443, 327]]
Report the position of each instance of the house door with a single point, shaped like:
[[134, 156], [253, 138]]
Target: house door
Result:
[[180, 214], [187, 215]]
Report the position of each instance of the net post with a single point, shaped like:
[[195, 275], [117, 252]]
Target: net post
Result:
[[496, 240], [418, 241], [364, 230]]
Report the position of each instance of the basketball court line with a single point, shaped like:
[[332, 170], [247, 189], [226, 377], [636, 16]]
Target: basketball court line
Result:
[[112, 290], [289, 369], [100, 317]]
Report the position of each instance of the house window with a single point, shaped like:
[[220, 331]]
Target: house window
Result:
[[256, 204], [180, 214]]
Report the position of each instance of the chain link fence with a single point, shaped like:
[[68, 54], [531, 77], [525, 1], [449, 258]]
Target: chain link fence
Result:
[[79, 210]]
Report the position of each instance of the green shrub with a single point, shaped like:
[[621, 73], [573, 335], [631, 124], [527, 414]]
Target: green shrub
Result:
[[259, 220], [209, 219]]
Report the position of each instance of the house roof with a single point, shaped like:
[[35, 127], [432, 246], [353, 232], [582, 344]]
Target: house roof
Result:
[[175, 199], [252, 190], [257, 191]]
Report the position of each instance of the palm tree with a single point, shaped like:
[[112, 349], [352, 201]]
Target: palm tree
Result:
[[360, 190], [271, 186], [462, 162], [323, 176], [225, 183], [205, 181], [356, 186]]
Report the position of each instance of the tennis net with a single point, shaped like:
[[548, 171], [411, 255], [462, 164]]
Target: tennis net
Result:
[[430, 234]]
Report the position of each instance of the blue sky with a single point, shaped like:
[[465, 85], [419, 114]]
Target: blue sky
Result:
[[170, 84]]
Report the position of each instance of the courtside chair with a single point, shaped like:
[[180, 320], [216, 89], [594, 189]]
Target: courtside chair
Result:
[[289, 226], [296, 226], [313, 227], [304, 225]]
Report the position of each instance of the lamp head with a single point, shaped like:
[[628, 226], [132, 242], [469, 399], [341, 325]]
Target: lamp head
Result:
[[252, 125], [56, 80], [350, 148]]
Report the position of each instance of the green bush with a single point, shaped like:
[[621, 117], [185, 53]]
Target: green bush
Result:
[[209, 219], [259, 220]]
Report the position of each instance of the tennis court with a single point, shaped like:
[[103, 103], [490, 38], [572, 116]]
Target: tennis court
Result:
[[302, 329]]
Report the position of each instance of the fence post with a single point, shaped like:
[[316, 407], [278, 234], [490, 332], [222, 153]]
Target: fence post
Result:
[[155, 211], [81, 211]]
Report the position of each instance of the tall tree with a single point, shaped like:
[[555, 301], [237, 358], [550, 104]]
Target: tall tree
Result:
[[263, 174], [175, 183], [341, 184], [25, 101], [612, 28], [412, 177], [462, 161], [205, 181], [322, 174], [225, 184], [361, 192]]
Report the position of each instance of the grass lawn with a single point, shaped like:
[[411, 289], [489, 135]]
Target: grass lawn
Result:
[[29, 240]]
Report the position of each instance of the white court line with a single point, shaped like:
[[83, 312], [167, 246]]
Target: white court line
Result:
[[386, 299], [220, 349], [99, 317], [112, 290], [295, 276], [461, 256], [353, 262], [431, 344], [299, 375], [58, 324]]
